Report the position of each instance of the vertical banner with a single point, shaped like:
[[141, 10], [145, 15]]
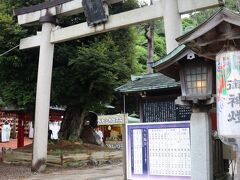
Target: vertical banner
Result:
[[228, 93], [158, 151]]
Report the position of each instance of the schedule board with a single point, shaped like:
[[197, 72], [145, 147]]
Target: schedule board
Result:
[[158, 151]]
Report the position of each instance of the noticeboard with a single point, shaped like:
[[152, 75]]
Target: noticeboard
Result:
[[155, 110], [158, 151]]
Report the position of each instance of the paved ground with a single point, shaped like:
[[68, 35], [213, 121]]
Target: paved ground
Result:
[[23, 172], [110, 172], [13, 143], [107, 172]]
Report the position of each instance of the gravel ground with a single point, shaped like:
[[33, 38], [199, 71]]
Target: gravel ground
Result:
[[9, 171], [17, 171]]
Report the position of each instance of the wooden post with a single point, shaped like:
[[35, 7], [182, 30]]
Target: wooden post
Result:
[[20, 137]]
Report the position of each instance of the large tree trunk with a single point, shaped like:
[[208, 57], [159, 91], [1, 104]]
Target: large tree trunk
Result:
[[72, 124]]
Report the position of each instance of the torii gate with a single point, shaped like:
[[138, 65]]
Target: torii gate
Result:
[[46, 13]]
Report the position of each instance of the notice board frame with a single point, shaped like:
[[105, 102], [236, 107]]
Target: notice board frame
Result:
[[129, 145]]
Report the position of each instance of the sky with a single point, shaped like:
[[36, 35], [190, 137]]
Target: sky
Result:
[[148, 1]]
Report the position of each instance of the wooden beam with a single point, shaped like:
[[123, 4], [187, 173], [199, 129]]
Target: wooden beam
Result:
[[222, 37], [65, 9], [118, 21], [223, 32], [30, 42]]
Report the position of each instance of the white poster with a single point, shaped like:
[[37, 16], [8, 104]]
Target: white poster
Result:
[[158, 151]]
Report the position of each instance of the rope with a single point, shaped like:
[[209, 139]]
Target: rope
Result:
[[9, 50]]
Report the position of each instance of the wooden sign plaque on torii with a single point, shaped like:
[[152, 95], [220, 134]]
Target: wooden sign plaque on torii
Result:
[[47, 12]]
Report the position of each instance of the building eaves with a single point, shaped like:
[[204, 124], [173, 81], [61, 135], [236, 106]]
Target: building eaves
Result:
[[149, 82]]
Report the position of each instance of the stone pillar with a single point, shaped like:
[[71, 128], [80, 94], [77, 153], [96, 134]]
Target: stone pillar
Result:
[[43, 95], [237, 173], [172, 23], [201, 145]]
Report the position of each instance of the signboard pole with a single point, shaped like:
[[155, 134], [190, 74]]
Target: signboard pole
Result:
[[124, 151]]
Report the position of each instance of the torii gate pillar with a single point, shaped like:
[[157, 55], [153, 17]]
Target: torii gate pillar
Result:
[[172, 23], [43, 95]]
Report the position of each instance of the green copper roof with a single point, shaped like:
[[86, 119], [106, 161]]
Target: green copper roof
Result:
[[169, 56], [148, 82]]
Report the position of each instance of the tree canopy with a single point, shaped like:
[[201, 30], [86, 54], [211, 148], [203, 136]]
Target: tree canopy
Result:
[[85, 71], [198, 17]]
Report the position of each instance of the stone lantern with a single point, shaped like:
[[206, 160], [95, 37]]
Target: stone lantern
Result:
[[212, 39], [196, 80]]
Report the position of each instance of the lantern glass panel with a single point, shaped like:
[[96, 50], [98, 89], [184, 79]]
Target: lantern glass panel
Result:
[[195, 78]]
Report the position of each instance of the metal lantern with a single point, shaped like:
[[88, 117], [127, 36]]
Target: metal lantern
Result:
[[196, 79], [94, 12]]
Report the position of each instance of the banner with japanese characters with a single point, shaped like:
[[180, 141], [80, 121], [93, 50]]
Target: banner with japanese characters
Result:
[[228, 93]]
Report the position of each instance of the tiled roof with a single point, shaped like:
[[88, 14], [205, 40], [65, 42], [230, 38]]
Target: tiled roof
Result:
[[170, 56], [148, 82]]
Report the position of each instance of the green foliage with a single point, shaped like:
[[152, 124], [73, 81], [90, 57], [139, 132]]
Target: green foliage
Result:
[[142, 45], [17, 70], [232, 4], [94, 70], [196, 18]]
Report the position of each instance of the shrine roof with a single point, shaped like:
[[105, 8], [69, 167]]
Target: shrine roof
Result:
[[170, 56], [208, 38], [148, 82], [169, 65]]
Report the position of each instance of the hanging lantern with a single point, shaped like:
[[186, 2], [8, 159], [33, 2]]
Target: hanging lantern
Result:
[[228, 94]]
